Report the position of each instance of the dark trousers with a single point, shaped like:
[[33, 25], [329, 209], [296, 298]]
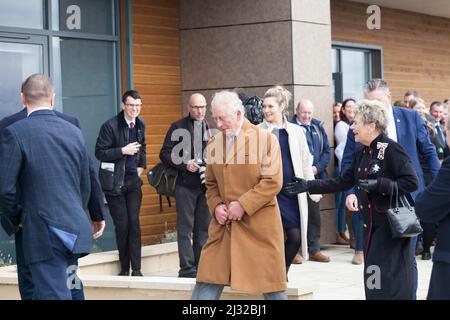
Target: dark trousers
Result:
[[124, 211], [429, 231], [50, 277], [313, 235], [193, 219], [26, 286], [440, 278]]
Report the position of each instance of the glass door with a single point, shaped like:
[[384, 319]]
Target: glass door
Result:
[[20, 56]]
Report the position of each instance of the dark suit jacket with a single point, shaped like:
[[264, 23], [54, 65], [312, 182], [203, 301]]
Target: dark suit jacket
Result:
[[96, 204], [412, 136], [46, 158], [433, 206]]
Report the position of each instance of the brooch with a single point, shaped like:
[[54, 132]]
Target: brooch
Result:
[[382, 147]]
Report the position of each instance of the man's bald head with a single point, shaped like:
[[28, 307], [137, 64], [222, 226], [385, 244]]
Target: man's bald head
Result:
[[37, 90], [197, 106], [305, 111]]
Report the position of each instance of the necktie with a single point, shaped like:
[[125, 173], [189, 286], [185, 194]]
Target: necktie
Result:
[[131, 125], [440, 135]]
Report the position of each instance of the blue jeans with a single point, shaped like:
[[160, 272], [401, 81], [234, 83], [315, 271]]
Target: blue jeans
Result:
[[358, 230], [340, 212], [415, 272], [209, 291]]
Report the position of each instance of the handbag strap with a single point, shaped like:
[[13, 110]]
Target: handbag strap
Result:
[[394, 190]]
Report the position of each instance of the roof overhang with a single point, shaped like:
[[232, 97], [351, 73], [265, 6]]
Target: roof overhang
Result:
[[439, 8]]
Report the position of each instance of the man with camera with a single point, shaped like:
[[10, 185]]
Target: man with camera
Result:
[[183, 150]]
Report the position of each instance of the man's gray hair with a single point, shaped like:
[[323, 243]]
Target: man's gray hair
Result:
[[230, 100], [372, 111], [376, 84]]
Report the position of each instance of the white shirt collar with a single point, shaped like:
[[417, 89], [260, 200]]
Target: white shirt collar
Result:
[[39, 108], [391, 128], [128, 122], [271, 126]]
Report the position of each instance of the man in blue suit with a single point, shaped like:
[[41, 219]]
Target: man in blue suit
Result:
[[407, 128], [45, 186]]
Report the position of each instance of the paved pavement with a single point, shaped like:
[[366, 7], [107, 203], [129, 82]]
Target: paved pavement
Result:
[[341, 280]]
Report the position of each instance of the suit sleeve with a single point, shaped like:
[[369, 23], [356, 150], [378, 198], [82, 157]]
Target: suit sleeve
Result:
[[96, 205], [325, 155], [432, 205], [401, 167], [10, 164], [348, 156], [105, 150], [166, 151], [426, 148], [270, 182]]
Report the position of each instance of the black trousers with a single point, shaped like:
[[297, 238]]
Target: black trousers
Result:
[[124, 211], [313, 235], [193, 220], [429, 231]]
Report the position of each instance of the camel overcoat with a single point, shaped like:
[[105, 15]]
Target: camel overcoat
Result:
[[248, 254]]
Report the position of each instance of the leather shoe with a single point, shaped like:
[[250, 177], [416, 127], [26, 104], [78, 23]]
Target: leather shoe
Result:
[[298, 259], [426, 255], [124, 273], [319, 257], [341, 240], [136, 273]]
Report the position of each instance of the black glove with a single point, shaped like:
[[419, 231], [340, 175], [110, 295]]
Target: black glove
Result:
[[368, 185], [299, 185]]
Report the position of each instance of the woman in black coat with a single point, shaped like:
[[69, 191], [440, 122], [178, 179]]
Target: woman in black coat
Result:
[[378, 165], [433, 206]]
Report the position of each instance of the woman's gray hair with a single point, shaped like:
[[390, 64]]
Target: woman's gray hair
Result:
[[230, 100], [282, 95], [372, 111]]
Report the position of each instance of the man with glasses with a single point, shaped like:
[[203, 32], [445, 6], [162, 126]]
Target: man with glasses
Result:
[[121, 149], [183, 149]]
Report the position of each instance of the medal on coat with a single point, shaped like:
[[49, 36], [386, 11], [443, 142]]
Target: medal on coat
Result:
[[382, 147]]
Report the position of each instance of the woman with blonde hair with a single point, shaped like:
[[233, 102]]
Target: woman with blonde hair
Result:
[[297, 162]]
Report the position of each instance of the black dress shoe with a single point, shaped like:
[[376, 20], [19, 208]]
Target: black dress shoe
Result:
[[136, 273], [426, 255], [124, 273]]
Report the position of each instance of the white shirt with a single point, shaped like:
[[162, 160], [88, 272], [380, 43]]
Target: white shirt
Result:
[[391, 129], [37, 109]]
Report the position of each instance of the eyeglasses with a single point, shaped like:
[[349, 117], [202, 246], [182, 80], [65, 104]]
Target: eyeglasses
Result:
[[133, 105], [198, 107]]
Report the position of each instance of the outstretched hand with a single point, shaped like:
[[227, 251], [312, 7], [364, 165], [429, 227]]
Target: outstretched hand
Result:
[[299, 185]]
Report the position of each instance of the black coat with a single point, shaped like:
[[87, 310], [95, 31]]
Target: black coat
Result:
[[185, 177], [433, 206], [386, 161], [113, 136]]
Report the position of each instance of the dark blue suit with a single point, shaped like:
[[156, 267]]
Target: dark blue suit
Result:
[[413, 136], [37, 156], [96, 209], [433, 206]]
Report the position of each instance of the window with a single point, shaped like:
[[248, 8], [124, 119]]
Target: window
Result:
[[22, 14], [352, 67]]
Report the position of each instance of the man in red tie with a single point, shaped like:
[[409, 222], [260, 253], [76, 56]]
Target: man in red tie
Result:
[[121, 149]]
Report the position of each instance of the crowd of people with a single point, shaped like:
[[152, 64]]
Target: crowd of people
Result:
[[256, 209]]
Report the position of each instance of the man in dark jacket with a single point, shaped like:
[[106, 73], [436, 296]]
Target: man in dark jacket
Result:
[[183, 149], [121, 149], [320, 149]]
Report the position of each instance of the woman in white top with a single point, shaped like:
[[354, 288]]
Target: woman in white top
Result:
[[297, 162], [342, 127]]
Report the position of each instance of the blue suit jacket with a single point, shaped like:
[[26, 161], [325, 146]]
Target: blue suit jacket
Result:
[[433, 206], [412, 136], [46, 158], [96, 204]]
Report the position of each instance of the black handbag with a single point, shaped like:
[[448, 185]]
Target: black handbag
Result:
[[402, 219]]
